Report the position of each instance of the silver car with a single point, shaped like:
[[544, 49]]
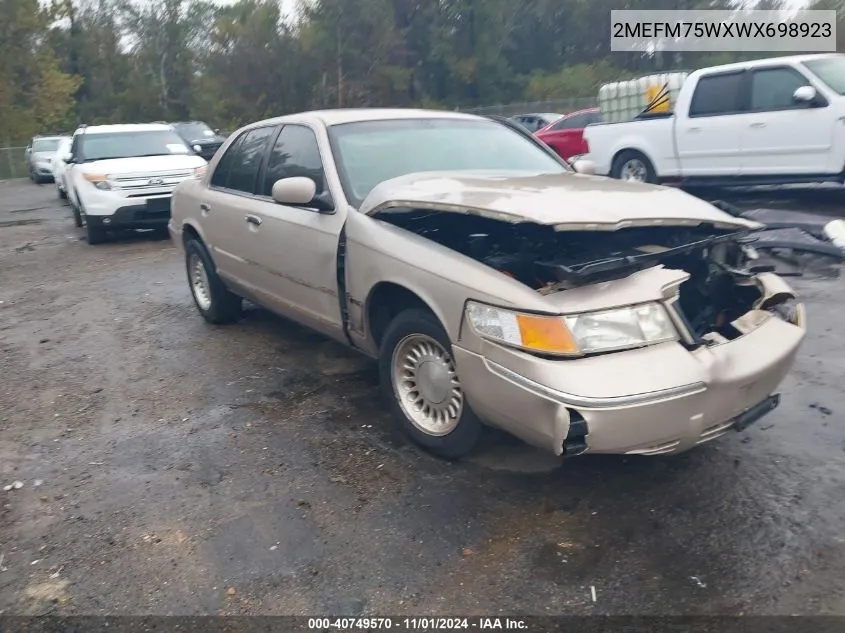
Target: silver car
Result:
[[493, 283], [39, 157]]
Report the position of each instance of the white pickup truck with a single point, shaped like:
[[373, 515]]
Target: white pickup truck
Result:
[[767, 121]]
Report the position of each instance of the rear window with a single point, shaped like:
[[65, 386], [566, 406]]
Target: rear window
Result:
[[717, 94]]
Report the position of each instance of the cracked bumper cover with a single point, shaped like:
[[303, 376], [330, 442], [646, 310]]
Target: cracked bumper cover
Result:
[[658, 399]]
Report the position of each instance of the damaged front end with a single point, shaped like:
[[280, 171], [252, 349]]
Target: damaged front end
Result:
[[723, 293]]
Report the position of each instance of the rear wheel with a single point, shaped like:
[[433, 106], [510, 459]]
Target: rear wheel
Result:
[[633, 166], [419, 377], [215, 302], [61, 193]]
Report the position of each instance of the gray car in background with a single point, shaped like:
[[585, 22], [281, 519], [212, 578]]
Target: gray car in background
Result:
[[535, 120], [39, 157]]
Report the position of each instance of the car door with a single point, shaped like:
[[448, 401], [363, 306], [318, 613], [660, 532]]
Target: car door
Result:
[[227, 202], [781, 135], [708, 138], [566, 135], [293, 249]]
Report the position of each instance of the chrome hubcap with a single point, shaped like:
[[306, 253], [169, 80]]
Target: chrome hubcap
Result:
[[633, 169], [427, 384], [199, 282]]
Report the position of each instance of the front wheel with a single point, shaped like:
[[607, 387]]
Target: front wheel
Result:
[[419, 377], [633, 166], [216, 303]]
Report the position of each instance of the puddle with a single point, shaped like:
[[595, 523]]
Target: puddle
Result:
[[512, 456]]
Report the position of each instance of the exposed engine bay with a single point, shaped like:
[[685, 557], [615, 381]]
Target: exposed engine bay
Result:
[[721, 288]]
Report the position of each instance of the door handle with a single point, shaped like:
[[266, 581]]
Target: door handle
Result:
[[253, 219], [205, 207], [694, 129], [758, 124]]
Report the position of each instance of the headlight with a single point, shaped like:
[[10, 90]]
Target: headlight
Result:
[[535, 332], [574, 335], [622, 328], [98, 180]]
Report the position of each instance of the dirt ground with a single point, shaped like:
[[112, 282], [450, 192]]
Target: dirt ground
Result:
[[171, 467]]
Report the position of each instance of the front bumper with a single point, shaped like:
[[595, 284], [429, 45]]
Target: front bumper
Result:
[[135, 216], [43, 171], [654, 400]]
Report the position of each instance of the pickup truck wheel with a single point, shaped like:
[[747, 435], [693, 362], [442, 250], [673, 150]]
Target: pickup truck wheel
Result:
[[215, 302], [634, 166], [418, 376]]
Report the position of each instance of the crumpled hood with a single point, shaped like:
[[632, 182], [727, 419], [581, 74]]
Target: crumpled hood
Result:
[[566, 201]]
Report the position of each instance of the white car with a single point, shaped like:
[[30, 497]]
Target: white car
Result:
[[766, 121], [122, 176], [60, 167]]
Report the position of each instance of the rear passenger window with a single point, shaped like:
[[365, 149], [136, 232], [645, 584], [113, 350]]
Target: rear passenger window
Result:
[[245, 164], [573, 122], [717, 94], [772, 89], [295, 153], [221, 173]]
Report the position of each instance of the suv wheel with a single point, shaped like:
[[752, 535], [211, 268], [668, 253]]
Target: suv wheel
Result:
[[418, 376], [94, 234], [77, 216], [215, 302]]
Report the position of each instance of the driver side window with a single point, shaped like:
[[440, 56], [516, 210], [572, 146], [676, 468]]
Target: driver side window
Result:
[[295, 153]]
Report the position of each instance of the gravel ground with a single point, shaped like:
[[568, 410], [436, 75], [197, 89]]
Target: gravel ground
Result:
[[171, 467]]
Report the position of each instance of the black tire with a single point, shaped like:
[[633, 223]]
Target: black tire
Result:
[[77, 216], [62, 193], [225, 306], [629, 155], [94, 234], [464, 437]]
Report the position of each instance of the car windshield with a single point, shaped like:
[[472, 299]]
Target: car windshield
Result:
[[45, 144], [831, 70], [194, 131], [370, 152], [101, 146]]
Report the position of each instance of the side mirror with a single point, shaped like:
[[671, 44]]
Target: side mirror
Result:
[[804, 94], [197, 148], [584, 166], [217, 130], [66, 158], [298, 191]]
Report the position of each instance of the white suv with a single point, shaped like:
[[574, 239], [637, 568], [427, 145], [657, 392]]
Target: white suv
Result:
[[122, 176]]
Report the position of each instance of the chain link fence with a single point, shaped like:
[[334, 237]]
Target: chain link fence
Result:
[[559, 106], [12, 162]]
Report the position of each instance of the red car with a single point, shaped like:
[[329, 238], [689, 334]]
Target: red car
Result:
[[566, 135]]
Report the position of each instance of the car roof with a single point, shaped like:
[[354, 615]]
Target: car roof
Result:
[[584, 111], [769, 61], [358, 115], [49, 137], [128, 127]]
